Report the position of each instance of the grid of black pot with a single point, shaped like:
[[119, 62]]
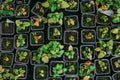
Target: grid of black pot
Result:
[[79, 14]]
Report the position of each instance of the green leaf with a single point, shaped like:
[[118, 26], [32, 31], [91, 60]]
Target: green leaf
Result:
[[53, 7], [64, 4], [26, 24], [101, 54], [46, 4]]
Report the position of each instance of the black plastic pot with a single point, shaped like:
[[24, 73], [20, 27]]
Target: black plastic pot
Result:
[[23, 2], [34, 10], [71, 37], [23, 60], [72, 68], [97, 44], [116, 76], [71, 18], [86, 70], [38, 35], [98, 70], [24, 67], [87, 7], [26, 7], [58, 78], [53, 35], [53, 64], [103, 78], [75, 58], [101, 20], [8, 13], [7, 28], [114, 36], [6, 59], [26, 30], [100, 34], [25, 36], [40, 72], [83, 48], [90, 34], [88, 21], [35, 25], [76, 9], [7, 44], [116, 50], [115, 63], [72, 77]]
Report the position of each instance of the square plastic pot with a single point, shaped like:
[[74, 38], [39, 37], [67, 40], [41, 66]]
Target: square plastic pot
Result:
[[69, 33], [99, 34], [116, 76], [72, 77], [26, 60], [23, 66], [28, 2], [89, 10], [10, 57], [26, 41], [82, 47], [73, 10], [102, 22], [116, 52], [82, 64], [114, 64], [75, 20], [69, 65], [103, 78], [40, 14], [37, 75], [7, 44], [53, 63], [40, 41], [7, 30], [90, 19], [27, 30], [113, 36], [87, 32], [75, 58], [40, 27], [27, 8], [51, 32], [97, 67]]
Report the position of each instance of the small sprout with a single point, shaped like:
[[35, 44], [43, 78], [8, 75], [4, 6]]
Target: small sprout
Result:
[[117, 63], [117, 51], [87, 53], [71, 38], [86, 69], [22, 11], [41, 73], [36, 37], [55, 18], [104, 32], [8, 43], [6, 58], [56, 32], [104, 48], [19, 72], [89, 36], [103, 65], [36, 22], [58, 69], [22, 25], [72, 4], [22, 55], [20, 42], [70, 52], [116, 32]]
